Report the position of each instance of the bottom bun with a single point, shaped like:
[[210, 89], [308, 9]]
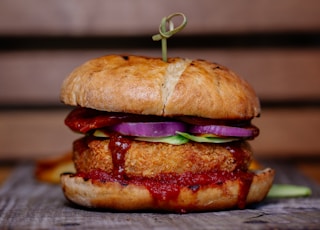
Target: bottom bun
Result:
[[132, 197]]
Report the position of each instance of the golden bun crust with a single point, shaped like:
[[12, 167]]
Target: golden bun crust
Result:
[[114, 196], [144, 85]]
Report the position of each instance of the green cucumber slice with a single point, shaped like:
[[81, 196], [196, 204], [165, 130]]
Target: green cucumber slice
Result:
[[179, 139], [207, 139], [173, 140], [288, 191], [100, 133]]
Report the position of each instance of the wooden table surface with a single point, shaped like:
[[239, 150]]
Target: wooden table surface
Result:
[[26, 203]]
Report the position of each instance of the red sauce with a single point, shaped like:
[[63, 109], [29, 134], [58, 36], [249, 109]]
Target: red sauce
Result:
[[208, 121], [118, 147], [245, 179], [164, 187], [245, 184]]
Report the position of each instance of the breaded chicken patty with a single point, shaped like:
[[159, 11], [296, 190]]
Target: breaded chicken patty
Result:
[[149, 159]]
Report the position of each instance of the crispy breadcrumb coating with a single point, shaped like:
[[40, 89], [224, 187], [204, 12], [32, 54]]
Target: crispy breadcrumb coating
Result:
[[149, 159]]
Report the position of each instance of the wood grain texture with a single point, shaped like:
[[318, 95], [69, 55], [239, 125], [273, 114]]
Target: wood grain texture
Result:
[[288, 133], [277, 74], [29, 135], [27, 202], [279, 71], [125, 17]]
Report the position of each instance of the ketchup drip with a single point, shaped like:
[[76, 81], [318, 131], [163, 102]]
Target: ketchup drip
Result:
[[246, 177], [118, 147]]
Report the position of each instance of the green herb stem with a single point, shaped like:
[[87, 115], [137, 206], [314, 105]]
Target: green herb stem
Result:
[[164, 34]]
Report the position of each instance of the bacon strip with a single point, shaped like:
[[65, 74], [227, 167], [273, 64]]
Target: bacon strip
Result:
[[84, 119]]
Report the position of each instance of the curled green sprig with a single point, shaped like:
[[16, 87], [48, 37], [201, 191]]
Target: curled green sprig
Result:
[[164, 34]]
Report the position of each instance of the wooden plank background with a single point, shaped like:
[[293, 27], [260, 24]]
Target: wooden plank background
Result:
[[126, 17], [275, 45]]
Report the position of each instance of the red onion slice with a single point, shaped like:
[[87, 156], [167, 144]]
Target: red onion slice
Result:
[[149, 129], [226, 131]]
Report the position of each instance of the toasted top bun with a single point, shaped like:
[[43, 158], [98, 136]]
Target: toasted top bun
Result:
[[144, 85]]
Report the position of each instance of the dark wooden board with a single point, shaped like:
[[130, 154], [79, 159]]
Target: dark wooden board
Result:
[[127, 17], [28, 204], [50, 68]]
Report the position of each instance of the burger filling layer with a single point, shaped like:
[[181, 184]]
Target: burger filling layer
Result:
[[127, 148], [137, 158]]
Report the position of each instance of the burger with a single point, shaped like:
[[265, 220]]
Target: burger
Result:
[[161, 136]]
